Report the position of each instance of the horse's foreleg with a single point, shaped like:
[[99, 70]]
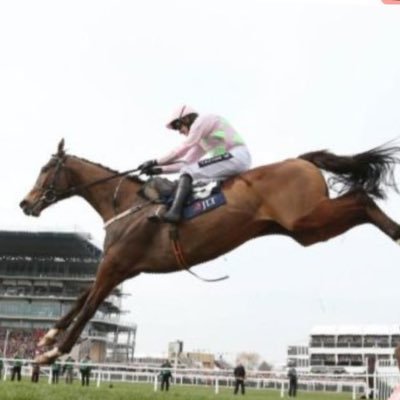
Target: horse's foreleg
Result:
[[332, 217], [108, 276], [64, 322], [96, 296]]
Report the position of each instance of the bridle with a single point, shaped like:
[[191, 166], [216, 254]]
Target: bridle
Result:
[[50, 193]]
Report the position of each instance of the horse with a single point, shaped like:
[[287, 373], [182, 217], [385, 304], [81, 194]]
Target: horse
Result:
[[289, 197]]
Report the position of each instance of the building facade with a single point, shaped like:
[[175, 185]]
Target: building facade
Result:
[[41, 275], [351, 346], [347, 348], [298, 356]]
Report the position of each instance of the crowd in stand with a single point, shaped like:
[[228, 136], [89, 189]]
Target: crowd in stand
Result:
[[19, 341]]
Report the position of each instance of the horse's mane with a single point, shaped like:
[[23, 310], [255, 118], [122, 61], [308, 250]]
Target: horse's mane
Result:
[[133, 178]]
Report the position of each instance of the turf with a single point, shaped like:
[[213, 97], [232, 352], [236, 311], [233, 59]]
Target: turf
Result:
[[26, 390]]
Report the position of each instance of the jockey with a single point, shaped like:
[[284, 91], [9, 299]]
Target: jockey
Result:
[[213, 150]]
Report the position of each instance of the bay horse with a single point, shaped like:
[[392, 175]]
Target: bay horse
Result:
[[290, 198]]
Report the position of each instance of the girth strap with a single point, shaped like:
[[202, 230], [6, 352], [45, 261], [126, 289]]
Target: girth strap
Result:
[[176, 246], [177, 250]]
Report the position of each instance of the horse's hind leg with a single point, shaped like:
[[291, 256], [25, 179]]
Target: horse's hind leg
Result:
[[64, 322], [383, 222], [332, 217]]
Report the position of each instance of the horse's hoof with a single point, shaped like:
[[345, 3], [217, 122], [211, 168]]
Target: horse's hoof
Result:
[[49, 338], [47, 358], [46, 342]]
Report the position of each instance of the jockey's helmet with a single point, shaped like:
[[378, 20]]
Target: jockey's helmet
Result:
[[179, 113]]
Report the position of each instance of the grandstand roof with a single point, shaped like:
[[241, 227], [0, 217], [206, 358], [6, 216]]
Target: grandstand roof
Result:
[[356, 330], [47, 244]]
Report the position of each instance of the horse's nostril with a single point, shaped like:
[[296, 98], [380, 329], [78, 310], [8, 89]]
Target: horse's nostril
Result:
[[23, 204]]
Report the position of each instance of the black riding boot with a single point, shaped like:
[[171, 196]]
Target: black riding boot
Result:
[[174, 214]]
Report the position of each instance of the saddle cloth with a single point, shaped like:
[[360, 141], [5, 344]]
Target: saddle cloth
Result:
[[204, 196]]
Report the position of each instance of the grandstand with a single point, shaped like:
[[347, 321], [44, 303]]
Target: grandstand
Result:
[[347, 348], [41, 275], [298, 356]]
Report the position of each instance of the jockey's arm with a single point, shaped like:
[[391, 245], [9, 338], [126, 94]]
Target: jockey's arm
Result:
[[172, 168], [198, 130], [194, 154]]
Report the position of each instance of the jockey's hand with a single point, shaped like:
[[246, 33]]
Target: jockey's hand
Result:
[[152, 171], [147, 165]]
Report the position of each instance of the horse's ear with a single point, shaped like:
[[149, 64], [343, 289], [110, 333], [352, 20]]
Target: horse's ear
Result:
[[60, 150]]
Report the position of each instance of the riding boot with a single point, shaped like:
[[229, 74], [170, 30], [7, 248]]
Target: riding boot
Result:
[[174, 214]]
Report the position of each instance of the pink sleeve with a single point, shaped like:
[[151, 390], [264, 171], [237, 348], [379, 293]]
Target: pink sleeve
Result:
[[180, 151], [192, 155], [172, 168], [200, 128]]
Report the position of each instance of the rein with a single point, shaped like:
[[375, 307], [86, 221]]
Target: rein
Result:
[[76, 189], [127, 212], [51, 194]]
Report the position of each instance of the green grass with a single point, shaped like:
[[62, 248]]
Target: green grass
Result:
[[26, 390]]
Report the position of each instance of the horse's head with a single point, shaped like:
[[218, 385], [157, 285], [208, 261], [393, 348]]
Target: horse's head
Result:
[[51, 184]]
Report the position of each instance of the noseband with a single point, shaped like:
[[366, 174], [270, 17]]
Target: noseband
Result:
[[50, 193]]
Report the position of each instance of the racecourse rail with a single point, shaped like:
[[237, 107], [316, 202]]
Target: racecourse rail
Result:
[[106, 374]]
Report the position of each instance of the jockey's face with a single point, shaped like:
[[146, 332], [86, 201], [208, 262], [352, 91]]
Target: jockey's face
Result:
[[184, 130]]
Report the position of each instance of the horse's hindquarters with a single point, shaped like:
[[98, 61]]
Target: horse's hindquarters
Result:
[[287, 191]]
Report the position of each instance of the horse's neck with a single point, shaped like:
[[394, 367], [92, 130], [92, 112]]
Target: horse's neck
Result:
[[105, 197]]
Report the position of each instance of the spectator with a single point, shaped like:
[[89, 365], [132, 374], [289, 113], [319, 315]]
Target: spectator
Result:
[[17, 366], [292, 375], [165, 375], [1, 368], [240, 375], [20, 341], [55, 372], [69, 370], [35, 373], [85, 368], [371, 361]]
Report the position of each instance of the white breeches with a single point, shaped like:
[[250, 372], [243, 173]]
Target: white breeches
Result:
[[221, 170]]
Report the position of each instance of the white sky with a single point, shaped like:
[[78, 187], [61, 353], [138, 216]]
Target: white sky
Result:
[[292, 76]]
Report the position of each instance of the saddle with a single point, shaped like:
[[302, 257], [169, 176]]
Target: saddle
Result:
[[204, 196], [162, 190]]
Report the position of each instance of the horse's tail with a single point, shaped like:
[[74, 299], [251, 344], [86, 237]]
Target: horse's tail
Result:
[[369, 171]]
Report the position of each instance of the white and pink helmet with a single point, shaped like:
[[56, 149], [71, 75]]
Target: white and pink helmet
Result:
[[179, 113]]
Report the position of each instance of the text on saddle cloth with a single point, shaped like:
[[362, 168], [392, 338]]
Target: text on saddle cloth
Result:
[[202, 205]]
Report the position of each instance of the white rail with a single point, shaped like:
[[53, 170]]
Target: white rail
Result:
[[106, 374]]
